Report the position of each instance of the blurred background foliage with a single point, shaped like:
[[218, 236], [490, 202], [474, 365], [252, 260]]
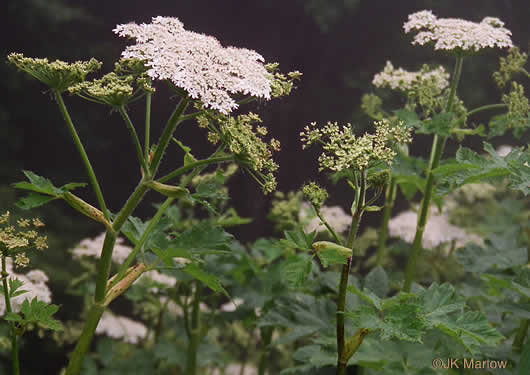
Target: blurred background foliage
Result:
[[338, 45]]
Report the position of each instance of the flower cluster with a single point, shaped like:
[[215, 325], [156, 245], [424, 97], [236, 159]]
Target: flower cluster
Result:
[[91, 247], [437, 231], [197, 63], [281, 84], [58, 74], [509, 66], [244, 140], [343, 150], [111, 89], [285, 209], [15, 240], [403, 80], [315, 194], [120, 327], [34, 285], [453, 34], [518, 109]]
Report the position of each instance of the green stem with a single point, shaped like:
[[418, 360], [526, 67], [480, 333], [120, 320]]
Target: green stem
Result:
[[390, 197], [83, 344], [135, 139], [171, 125], [266, 333], [91, 175], [329, 228], [195, 330], [139, 245], [178, 172], [436, 154], [484, 108], [147, 140], [343, 285], [522, 332], [14, 344]]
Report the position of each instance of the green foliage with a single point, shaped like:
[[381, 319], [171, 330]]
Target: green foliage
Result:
[[36, 312], [296, 269], [470, 167], [43, 190]]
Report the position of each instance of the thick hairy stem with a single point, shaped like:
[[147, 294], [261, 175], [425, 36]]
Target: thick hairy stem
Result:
[[438, 145], [91, 175], [390, 197], [83, 344], [195, 330], [14, 340], [343, 285]]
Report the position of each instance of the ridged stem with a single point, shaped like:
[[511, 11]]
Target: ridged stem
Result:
[[343, 285], [88, 166], [14, 340], [436, 154], [390, 197]]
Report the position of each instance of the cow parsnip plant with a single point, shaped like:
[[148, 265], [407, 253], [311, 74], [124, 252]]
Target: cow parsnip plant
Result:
[[207, 77], [447, 278]]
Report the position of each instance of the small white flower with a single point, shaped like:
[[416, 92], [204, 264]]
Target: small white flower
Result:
[[437, 231], [232, 306], [120, 327], [504, 150], [197, 63], [91, 247], [34, 283], [158, 278], [452, 34], [401, 79]]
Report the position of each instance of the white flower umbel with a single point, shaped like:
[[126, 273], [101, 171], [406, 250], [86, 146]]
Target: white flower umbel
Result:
[[232, 305], [454, 34], [120, 327], [91, 247], [504, 150], [437, 231], [335, 216], [403, 80], [158, 278], [34, 285], [197, 63]]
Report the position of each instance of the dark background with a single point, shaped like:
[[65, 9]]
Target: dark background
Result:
[[337, 44]]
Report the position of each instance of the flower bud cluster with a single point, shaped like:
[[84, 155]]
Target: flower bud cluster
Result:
[[315, 194], [244, 140], [58, 74], [518, 109], [15, 240], [343, 150], [509, 66], [457, 35]]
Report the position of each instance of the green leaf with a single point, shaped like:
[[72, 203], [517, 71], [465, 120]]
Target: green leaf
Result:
[[188, 157], [13, 317], [298, 239], [377, 282], [33, 200], [499, 253], [441, 124], [409, 118], [332, 256], [40, 313], [14, 288], [208, 279], [296, 269], [203, 236], [368, 296]]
